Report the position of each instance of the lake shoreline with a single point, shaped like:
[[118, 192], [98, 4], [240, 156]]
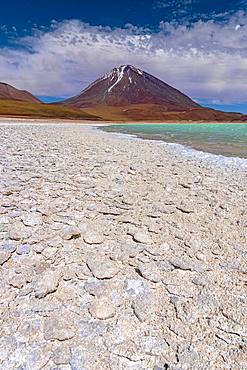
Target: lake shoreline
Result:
[[223, 140], [25, 120]]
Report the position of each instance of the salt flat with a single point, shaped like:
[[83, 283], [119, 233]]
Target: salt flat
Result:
[[118, 254]]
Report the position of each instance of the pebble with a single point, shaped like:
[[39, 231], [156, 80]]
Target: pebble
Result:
[[182, 264], [32, 219], [4, 256], [150, 272], [8, 246], [62, 355], [102, 308], [23, 249], [144, 306], [164, 266], [46, 283], [18, 281], [71, 232], [142, 237], [102, 268], [18, 232], [57, 327], [168, 210], [93, 237]]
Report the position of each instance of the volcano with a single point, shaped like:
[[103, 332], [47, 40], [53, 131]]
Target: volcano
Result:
[[129, 94], [128, 85], [8, 92]]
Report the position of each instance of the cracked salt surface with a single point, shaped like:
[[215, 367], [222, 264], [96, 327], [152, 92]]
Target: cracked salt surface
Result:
[[170, 293]]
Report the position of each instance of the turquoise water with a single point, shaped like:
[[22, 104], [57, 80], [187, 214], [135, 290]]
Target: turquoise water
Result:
[[229, 140]]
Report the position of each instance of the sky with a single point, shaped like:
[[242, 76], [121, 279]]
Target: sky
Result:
[[56, 48]]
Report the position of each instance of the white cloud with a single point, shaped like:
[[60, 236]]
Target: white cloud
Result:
[[207, 60]]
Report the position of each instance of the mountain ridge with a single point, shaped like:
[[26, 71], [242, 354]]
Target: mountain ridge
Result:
[[8, 92]]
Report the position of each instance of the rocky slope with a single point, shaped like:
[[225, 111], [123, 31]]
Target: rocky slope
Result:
[[8, 92], [118, 254]]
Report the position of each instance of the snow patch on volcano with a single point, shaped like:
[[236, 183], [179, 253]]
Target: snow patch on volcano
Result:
[[120, 74]]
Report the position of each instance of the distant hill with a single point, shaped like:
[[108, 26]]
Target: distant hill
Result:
[[11, 93], [155, 113], [129, 94], [18, 108]]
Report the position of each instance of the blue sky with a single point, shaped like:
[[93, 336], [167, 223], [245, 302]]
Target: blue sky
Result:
[[23, 14], [55, 48]]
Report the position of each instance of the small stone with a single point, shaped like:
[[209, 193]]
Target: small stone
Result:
[[93, 237], [4, 256], [134, 287], [18, 231], [49, 252], [150, 272], [102, 308], [62, 355], [23, 249], [8, 246], [165, 266], [38, 248], [71, 232], [82, 271], [181, 263], [174, 299], [36, 357], [142, 237], [144, 306], [201, 256], [58, 327], [200, 280], [46, 283], [3, 227], [95, 287], [92, 207], [103, 268], [4, 220], [164, 248], [158, 250], [82, 227], [68, 273], [17, 281], [131, 172], [169, 209], [32, 219]]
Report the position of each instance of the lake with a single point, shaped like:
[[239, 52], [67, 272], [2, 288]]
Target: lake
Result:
[[229, 140]]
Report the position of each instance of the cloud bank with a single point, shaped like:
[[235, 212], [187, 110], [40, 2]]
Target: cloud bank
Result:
[[206, 59]]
